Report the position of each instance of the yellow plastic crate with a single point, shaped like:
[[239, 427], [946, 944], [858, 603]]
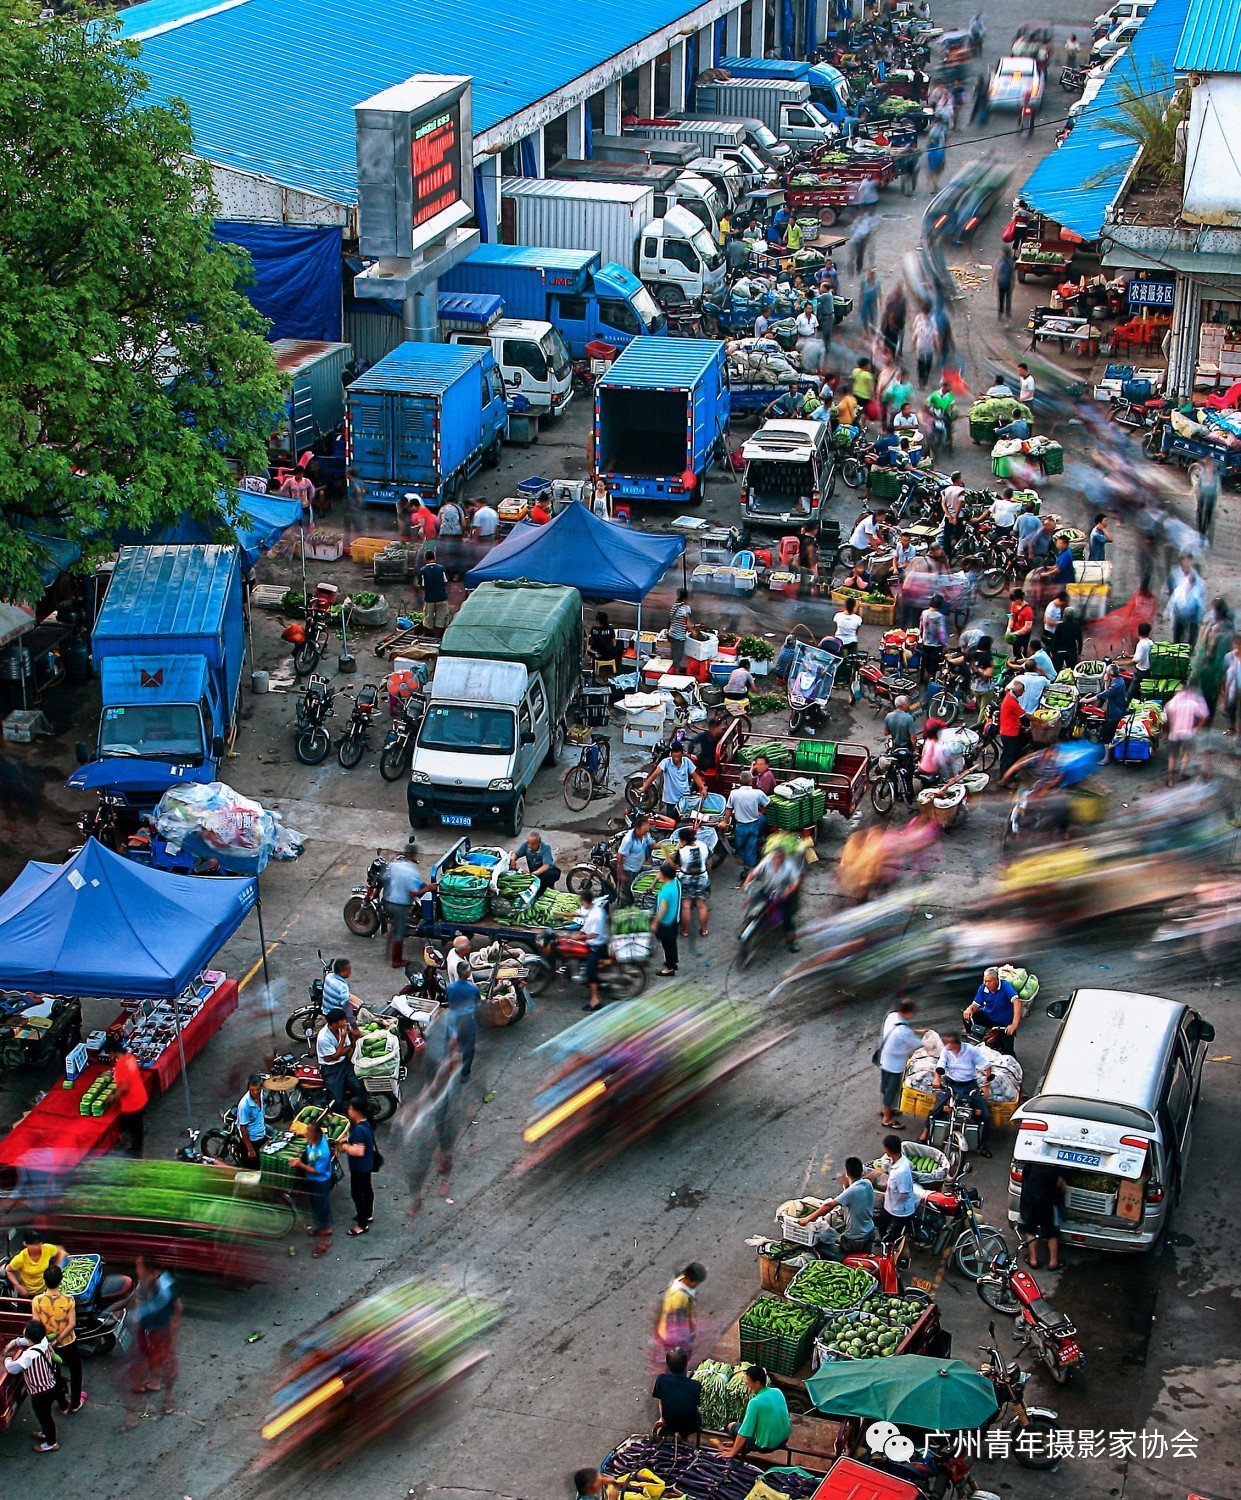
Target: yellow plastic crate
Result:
[[916, 1101], [365, 549]]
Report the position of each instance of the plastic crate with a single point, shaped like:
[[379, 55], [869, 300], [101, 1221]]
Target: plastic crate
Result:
[[919, 1102], [632, 947], [982, 432], [365, 549], [872, 1285], [817, 805], [534, 488], [885, 484], [779, 1353], [814, 755], [1052, 459], [94, 1278], [789, 816], [1086, 1201]]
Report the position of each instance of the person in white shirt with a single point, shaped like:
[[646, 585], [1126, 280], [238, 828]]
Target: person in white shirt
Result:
[[999, 389], [952, 504], [746, 805], [807, 324], [1025, 391], [458, 964], [898, 1040], [866, 535], [1030, 686], [1005, 510], [486, 523], [900, 1202], [1054, 613], [848, 623], [963, 1073], [594, 919]]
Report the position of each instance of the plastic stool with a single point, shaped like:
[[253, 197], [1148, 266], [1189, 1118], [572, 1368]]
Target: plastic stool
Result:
[[762, 556], [623, 515], [743, 560], [790, 550]]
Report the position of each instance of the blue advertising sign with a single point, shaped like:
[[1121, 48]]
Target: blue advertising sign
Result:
[[1152, 293]]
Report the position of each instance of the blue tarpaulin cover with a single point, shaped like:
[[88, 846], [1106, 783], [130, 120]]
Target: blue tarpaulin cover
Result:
[[269, 517], [101, 925], [297, 276], [601, 559]]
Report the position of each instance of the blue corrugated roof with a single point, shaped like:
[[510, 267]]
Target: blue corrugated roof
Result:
[[271, 84], [663, 362], [434, 366], [1076, 185], [548, 258], [1211, 41], [167, 590]]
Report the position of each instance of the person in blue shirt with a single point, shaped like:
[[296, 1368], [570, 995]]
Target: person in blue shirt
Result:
[[997, 1003], [1018, 429], [462, 999], [1114, 700], [1062, 567], [251, 1122], [316, 1163], [1037, 661]]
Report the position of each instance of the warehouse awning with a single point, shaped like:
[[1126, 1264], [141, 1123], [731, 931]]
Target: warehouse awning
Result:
[[1205, 265], [1078, 184]]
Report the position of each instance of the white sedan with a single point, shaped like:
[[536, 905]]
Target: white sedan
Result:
[[1015, 81]]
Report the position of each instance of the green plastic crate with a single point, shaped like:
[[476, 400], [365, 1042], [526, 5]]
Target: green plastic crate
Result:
[[818, 805], [814, 755], [788, 815], [780, 1353], [1170, 660], [1052, 459], [982, 432], [885, 484]]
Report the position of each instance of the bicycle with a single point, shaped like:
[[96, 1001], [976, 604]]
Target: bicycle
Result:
[[589, 778]]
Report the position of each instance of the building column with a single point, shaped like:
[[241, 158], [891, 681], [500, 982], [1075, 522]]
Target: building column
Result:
[[612, 108], [1186, 333], [758, 27], [676, 76], [489, 177], [646, 90], [732, 33], [575, 123], [540, 152], [778, 34], [704, 48]]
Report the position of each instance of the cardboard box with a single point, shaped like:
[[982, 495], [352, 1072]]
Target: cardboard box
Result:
[[1130, 1200]]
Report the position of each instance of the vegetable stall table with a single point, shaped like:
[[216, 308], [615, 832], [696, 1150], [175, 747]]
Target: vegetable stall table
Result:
[[1080, 333], [1037, 258], [163, 1066], [55, 1135]]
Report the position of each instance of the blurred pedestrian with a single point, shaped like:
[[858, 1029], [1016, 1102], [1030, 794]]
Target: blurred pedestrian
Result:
[[1004, 270], [127, 1076], [158, 1316], [363, 1156], [1232, 686], [1187, 596], [868, 301], [677, 1325], [1206, 493], [1210, 660], [1187, 712], [980, 110], [892, 326], [462, 999], [926, 343]]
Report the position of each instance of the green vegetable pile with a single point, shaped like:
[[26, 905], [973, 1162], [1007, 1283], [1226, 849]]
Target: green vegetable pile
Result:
[[765, 703], [828, 1285], [725, 1394], [366, 599], [863, 596], [645, 883], [77, 1272], [628, 920], [779, 757], [552, 909], [861, 1335], [375, 1045], [293, 602], [897, 109], [513, 883], [755, 647], [1040, 257], [773, 1315], [925, 1164]]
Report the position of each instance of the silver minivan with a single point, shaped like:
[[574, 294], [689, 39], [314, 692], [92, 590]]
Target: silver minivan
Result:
[[1114, 1114]]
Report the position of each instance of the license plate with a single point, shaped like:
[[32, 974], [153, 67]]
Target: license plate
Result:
[[456, 820], [1082, 1158]]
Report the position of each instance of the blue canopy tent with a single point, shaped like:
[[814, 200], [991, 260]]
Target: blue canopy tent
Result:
[[101, 926], [267, 518], [601, 559]]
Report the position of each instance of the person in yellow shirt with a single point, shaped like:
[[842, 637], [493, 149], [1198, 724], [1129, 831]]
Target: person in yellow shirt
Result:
[[27, 1269], [847, 409], [863, 381], [58, 1313], [678, 1318]]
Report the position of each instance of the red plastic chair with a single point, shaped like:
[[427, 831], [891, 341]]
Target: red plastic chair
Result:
[[1228, 401]]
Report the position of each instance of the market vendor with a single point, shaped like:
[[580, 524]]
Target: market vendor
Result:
[[251, 1121], [26, 1270], [765, 1426], [632, 854], [334, 1052], [963, 1073], [539, 860], [337, 996], [1018, 430], [857, 1198], [678, 773], [678, 1397], [998, 1004]]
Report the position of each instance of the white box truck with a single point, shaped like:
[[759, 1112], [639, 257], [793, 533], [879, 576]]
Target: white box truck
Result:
[[784, 107]]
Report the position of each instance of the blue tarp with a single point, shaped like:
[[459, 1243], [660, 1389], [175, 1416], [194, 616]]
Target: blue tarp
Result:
[[1076, 185], [812, 26], [269, 517], [104, 926], [297, 276], [588, 141], [527, 160], [58, 555], [717, 42], [691, 70], [788, 29], [601, 559]]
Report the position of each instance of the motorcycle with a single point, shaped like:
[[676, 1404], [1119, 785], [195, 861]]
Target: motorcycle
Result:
[[306, 1090], [104, 822], [100, 1317], [1007, 1288], [812, 675], [398, 746], [596, 876], [892, 776], [1031, 1427], [561, 955], [313, 712], [881, 690], [354, 743], [364, 910], [1073, 79], [952, 1210], [1138, 416], [316, 629], [761, 914], [942, 424]]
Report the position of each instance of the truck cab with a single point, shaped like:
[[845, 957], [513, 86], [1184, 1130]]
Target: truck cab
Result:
[[697, 196], [533, 359], [788, 474], [616, 308], [678, 259], [725, 177]]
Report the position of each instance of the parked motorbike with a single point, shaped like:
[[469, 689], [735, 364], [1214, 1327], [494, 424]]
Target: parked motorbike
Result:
[[951, 1213], [882, 690], [1138, 416], [398, 747], [317, 628], [1030, 1427], [364, 910], [1006, 1287], [100, 1318], [308, 1091], [562, 955], [596, 876], [893, 779], [355, 742], [810, 680], [1073, 79], [313, 712], [108, 821]]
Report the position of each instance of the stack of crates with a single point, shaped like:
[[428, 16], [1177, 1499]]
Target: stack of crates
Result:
[[885, 484], [1168, 671], [814, 755], [779, 757]]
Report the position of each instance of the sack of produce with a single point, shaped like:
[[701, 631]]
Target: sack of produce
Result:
[[928, 1163]]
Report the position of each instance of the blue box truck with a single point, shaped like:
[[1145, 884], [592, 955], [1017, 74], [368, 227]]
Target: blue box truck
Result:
[[170, 646], [829, 88], [424, 419], [660, 416], [573, 290]]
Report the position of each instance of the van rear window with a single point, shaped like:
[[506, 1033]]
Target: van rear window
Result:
[[1098, 1110]]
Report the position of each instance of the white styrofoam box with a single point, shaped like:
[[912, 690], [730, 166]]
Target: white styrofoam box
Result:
[[676, 682], [1092, 572], [701, 650], [637, 735], [656, 668], [23, 724], [760, 668], [645, 718]]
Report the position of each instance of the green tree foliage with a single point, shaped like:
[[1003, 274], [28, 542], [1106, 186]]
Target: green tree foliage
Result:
[[132, 367]]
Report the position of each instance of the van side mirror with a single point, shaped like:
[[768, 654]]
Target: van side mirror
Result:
[[527, 736], [217, 747], [1058, 1009], [1202, 1031]]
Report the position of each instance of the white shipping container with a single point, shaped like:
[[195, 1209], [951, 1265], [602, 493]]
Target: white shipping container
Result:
[[568, 215]]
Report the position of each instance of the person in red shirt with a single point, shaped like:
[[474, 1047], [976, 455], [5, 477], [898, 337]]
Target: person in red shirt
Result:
[[1020, 622], [539, 514], [1012, 728], [127, 1076]]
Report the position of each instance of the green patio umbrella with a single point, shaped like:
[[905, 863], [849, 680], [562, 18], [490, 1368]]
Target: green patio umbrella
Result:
[[940, 1395]]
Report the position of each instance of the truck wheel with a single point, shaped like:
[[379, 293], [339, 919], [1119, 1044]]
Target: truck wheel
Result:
[[557, 744], [516, 819], [493, 453]]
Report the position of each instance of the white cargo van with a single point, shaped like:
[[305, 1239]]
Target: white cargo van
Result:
[[788, 474], [1113, 1115], [533, 359]]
